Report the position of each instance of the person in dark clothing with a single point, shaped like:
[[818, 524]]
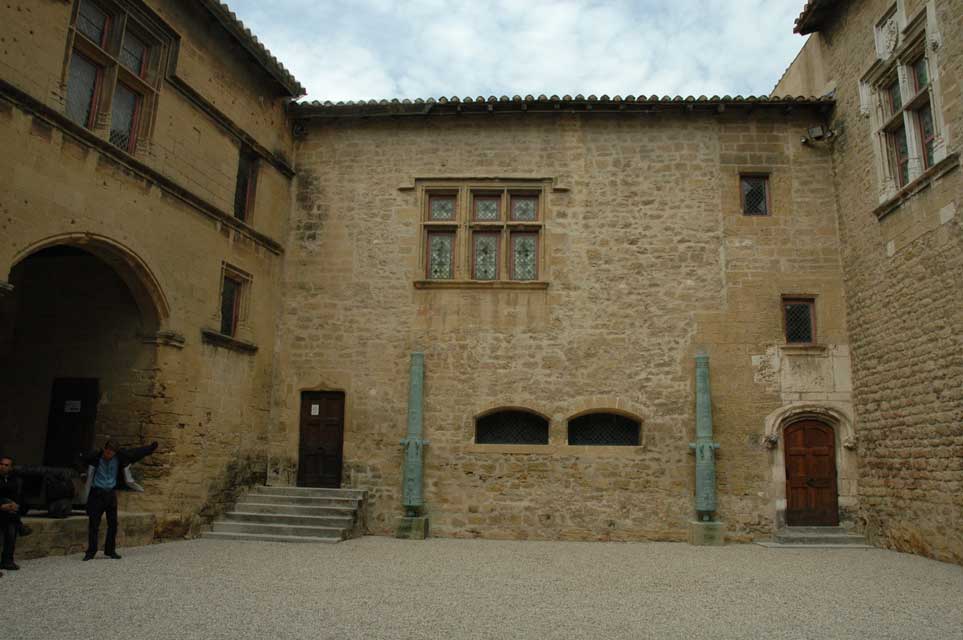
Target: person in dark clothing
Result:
[[11, 508], [108, 476]]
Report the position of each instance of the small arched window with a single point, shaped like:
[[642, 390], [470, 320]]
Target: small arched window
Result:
[[609, 429], [511, 427]]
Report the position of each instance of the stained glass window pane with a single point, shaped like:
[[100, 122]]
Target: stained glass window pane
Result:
[[799, 323], [755, 201], [902, 155], [441, 208], [511, 427], [81, 83], [895, 99], [132, 53], [92, 21], [122, 116], [440, 246], [524, 256], [608, 429], [524, 208], [921, 73], [486, 256], [487, 208]]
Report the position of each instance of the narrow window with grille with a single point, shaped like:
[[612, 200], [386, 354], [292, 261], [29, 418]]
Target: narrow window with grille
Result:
[[246, 184], [604, 429], [798, 319], [755, 195], [230, 304], [511, 427]]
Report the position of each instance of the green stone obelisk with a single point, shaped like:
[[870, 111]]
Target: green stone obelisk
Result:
[[705, 529], [413, 524]]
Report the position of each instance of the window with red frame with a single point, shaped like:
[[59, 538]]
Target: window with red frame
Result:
[[112, 71]]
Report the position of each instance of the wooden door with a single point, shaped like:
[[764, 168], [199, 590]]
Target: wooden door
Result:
[[70, 424], [811, 497], [322, 439]]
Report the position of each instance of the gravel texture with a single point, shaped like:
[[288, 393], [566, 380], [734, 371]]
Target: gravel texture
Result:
[[385, 588]]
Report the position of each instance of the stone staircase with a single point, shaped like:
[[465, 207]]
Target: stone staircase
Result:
[[816, 538], [294, 514]]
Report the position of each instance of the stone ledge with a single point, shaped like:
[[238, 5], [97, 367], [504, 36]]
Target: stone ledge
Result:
[[65, 536], [804, 349], [218, 339], [556, 450], [921, 183], [478, 284]]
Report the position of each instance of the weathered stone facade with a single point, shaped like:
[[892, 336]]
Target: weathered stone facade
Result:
[[902, 260], [112, 262], [153, 227]]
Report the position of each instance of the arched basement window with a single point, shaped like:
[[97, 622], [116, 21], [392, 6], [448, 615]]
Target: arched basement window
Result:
[[511, 427], [609, 429]]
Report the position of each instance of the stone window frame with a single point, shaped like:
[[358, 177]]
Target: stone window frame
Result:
[[464, 227], [809, 300], [508, 410], [900, 45], [124, 17], [749, 175], [602, 412], [243, 281]]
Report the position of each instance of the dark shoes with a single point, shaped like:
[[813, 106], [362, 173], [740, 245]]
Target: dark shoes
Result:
[[10, 566], [114, 556], [24, 531], [89, 556]]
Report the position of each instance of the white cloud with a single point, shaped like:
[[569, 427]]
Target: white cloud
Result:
[[367, 49]]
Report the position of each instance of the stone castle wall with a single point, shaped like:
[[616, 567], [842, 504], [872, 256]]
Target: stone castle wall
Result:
[[903, 292], [646, 256]]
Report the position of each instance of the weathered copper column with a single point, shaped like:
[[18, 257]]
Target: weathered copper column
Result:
[[413, 524], [705, 530]]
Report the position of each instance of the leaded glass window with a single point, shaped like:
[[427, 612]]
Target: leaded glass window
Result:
[[511, 427], [900, 150], [927, 136], [485, 261], [133, 53], [895, 98], [123, 117], [604, 429], [487, 208], [92, 21], [441, 208], [524, 208], [441, 247], [921, 74], [798, 314], [81, 88], [524, 256], [755, 195]]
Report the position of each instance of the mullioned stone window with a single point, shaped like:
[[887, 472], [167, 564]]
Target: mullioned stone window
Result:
[[481, 233], [901, 95], [113, 70]]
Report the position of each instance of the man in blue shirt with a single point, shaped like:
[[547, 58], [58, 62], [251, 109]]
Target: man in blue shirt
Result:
[[108, 464]]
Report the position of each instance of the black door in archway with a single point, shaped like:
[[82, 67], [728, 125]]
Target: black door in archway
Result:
[[70, 426]]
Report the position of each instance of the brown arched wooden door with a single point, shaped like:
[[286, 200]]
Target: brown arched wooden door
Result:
[[811, 497]]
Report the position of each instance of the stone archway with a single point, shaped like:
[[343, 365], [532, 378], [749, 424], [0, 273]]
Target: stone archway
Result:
[[78, 321], [837, 416]]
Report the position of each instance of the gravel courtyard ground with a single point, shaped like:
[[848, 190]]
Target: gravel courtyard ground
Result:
[[386, 588]]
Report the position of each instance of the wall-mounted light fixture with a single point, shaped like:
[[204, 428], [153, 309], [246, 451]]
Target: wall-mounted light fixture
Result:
[[818, 133]]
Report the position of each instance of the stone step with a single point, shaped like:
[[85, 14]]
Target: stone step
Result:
[[357, 494], [224, 535], [340, 522], [822, 530], [228, 526], [817, 536], [296, 509], [317, 501]]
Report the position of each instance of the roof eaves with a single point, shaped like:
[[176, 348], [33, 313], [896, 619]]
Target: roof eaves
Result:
[[812, 15], [579, 103], [229, 20]]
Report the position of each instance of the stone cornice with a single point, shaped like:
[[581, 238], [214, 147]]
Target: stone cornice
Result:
[[58, 120]]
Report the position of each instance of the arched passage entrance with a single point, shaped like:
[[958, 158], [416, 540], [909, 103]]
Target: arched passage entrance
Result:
[[72, 336]]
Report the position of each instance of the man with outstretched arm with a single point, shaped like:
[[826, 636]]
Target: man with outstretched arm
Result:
[[108, 476]]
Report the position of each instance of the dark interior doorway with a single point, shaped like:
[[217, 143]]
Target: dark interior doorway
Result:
[[73, 415], [811, 496], [322, 439]]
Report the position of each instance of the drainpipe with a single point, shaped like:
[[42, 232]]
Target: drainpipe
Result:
[[413, 525], [706, 529]]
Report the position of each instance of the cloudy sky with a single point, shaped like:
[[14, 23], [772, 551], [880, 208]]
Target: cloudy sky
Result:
[[363, 49]]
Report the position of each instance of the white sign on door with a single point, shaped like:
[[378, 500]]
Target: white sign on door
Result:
[[72, 406], [315, 409]]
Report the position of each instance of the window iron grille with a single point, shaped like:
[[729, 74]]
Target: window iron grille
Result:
[[511, 427], [755, 196], [799, 321], [604, 429]]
